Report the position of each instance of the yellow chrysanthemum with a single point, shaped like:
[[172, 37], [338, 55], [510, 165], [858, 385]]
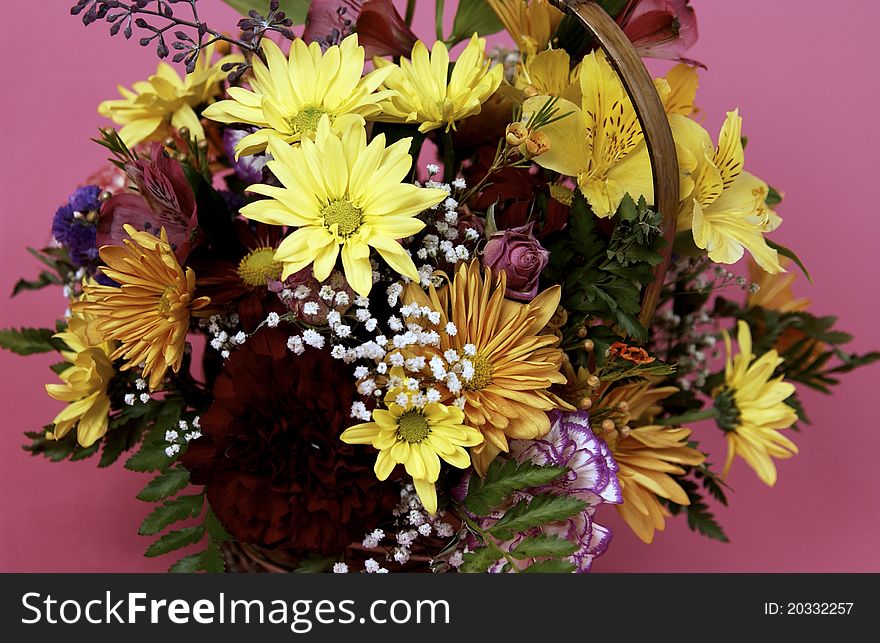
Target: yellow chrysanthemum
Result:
[[428, 94], [149, 312], [514, 367], [85, 383], [648, 456], [752, 410], [148, 109], [727, 208], [291, 94], [600, 143], [343, 193], [774, 290], [531, 23], [416, 438]]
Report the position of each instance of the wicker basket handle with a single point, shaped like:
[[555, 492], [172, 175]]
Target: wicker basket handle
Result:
[[655, 125]]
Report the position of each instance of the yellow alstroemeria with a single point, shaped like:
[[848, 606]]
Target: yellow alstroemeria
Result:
[[599, 143], [678, 90], [726, 210], [531, 23], [290, 94], [165, 99], [425, 96]]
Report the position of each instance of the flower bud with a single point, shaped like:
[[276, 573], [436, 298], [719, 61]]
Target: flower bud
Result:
[[516, 134], [537, 144], [589, 345], [593, 381]]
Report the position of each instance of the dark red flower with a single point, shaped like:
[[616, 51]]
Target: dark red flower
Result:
[[164, 200], [274, 469], [241, 286], [660, 28], [380, 28]]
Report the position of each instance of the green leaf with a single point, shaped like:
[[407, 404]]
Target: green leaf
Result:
[[314, 564], [216, 530], [27, 341], [473, 16], [479, 560], [543, 545], [116, 441], [212, 559], [296, 10], [613, 7], [81, 453], [502, 479], [188, 564], [164, 485], [701, 520], [541, 510], [45, 278], [550, 567], [60, 367], [150, 457], [787, 252], [172, 511], [774, 197], [175, 540]]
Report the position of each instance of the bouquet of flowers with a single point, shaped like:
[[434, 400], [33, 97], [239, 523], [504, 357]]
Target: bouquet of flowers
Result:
[[359, 302]]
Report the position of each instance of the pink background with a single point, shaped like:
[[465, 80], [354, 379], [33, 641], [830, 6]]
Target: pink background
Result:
[[808, 95]]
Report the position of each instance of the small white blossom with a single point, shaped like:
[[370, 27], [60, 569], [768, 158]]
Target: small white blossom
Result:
[[182, 425], [273, 320], [366, 387], [459, 183], [456, 560], [239, 338], [471, 234], [194, 435], [310, 308], [302, 292], [395, 324], [433, 395], [140, 384], [337, 352], [401, 556], [415, 364], [402, 399], [362, 314], [470, 349], [326, 293], [342, 330], [451, 356], [145, 397], [444, 530], [170, 451], [371, 324], [295, 344], [171, 436], [359, 411], [450, 329], [381, 368], [371, 566], [340, 568], [434, 317], [433, 169], [314, 339], [425, 529], [129, 399], [333, 318], [397, 359], [342, 298], [361, 372]]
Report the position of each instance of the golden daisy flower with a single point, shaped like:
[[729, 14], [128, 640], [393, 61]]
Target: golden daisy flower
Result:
[[343, 194], [149, 312], [774, 290], [649, 456], [416, 437], [428, 94], [165, 99], [290, 94], [548, 73], [531, 23], [508, 393], [85, 382], [752, 410]]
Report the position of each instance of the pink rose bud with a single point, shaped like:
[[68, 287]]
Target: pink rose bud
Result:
[[522, 258]]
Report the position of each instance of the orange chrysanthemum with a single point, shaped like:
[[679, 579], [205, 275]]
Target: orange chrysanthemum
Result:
[[149, 312], [508, 394]]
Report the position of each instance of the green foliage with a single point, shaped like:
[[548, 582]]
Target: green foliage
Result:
[[175, 540], [699, 517], [520, 517], [27, 341], [296, 10], [473, 16], [774, 197], [502, 479], [788, 252], [164, 485], [67, 448], [542, 509], [602, 273]]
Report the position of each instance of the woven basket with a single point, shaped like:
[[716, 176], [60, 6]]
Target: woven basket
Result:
[[664, 164]]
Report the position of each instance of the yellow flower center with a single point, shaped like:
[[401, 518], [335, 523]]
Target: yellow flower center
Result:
[[412, 426], [258, 266], [166, 300], [343, 214], [306, 120], [482, 373]]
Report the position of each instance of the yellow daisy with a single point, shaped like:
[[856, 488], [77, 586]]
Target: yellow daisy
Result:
[[149, 312], [649, 456], [416, 438], [513, 365], [343, 194], [428, 94], [289, 95], [531, 23], [549, 73], [774, 290], [148, 109], [751, 408], [726, 209], [85, 383]]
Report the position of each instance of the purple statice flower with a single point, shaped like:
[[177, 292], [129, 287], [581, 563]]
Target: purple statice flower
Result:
[[248, 168], [75, 225], [591, 476]]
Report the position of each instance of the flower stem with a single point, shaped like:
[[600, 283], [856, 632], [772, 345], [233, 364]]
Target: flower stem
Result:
[[448, 157], [410, 11], [486, 538], [439, 6], [685, 418]]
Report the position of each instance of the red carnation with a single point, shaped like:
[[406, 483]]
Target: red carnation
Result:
[[274, 469]]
